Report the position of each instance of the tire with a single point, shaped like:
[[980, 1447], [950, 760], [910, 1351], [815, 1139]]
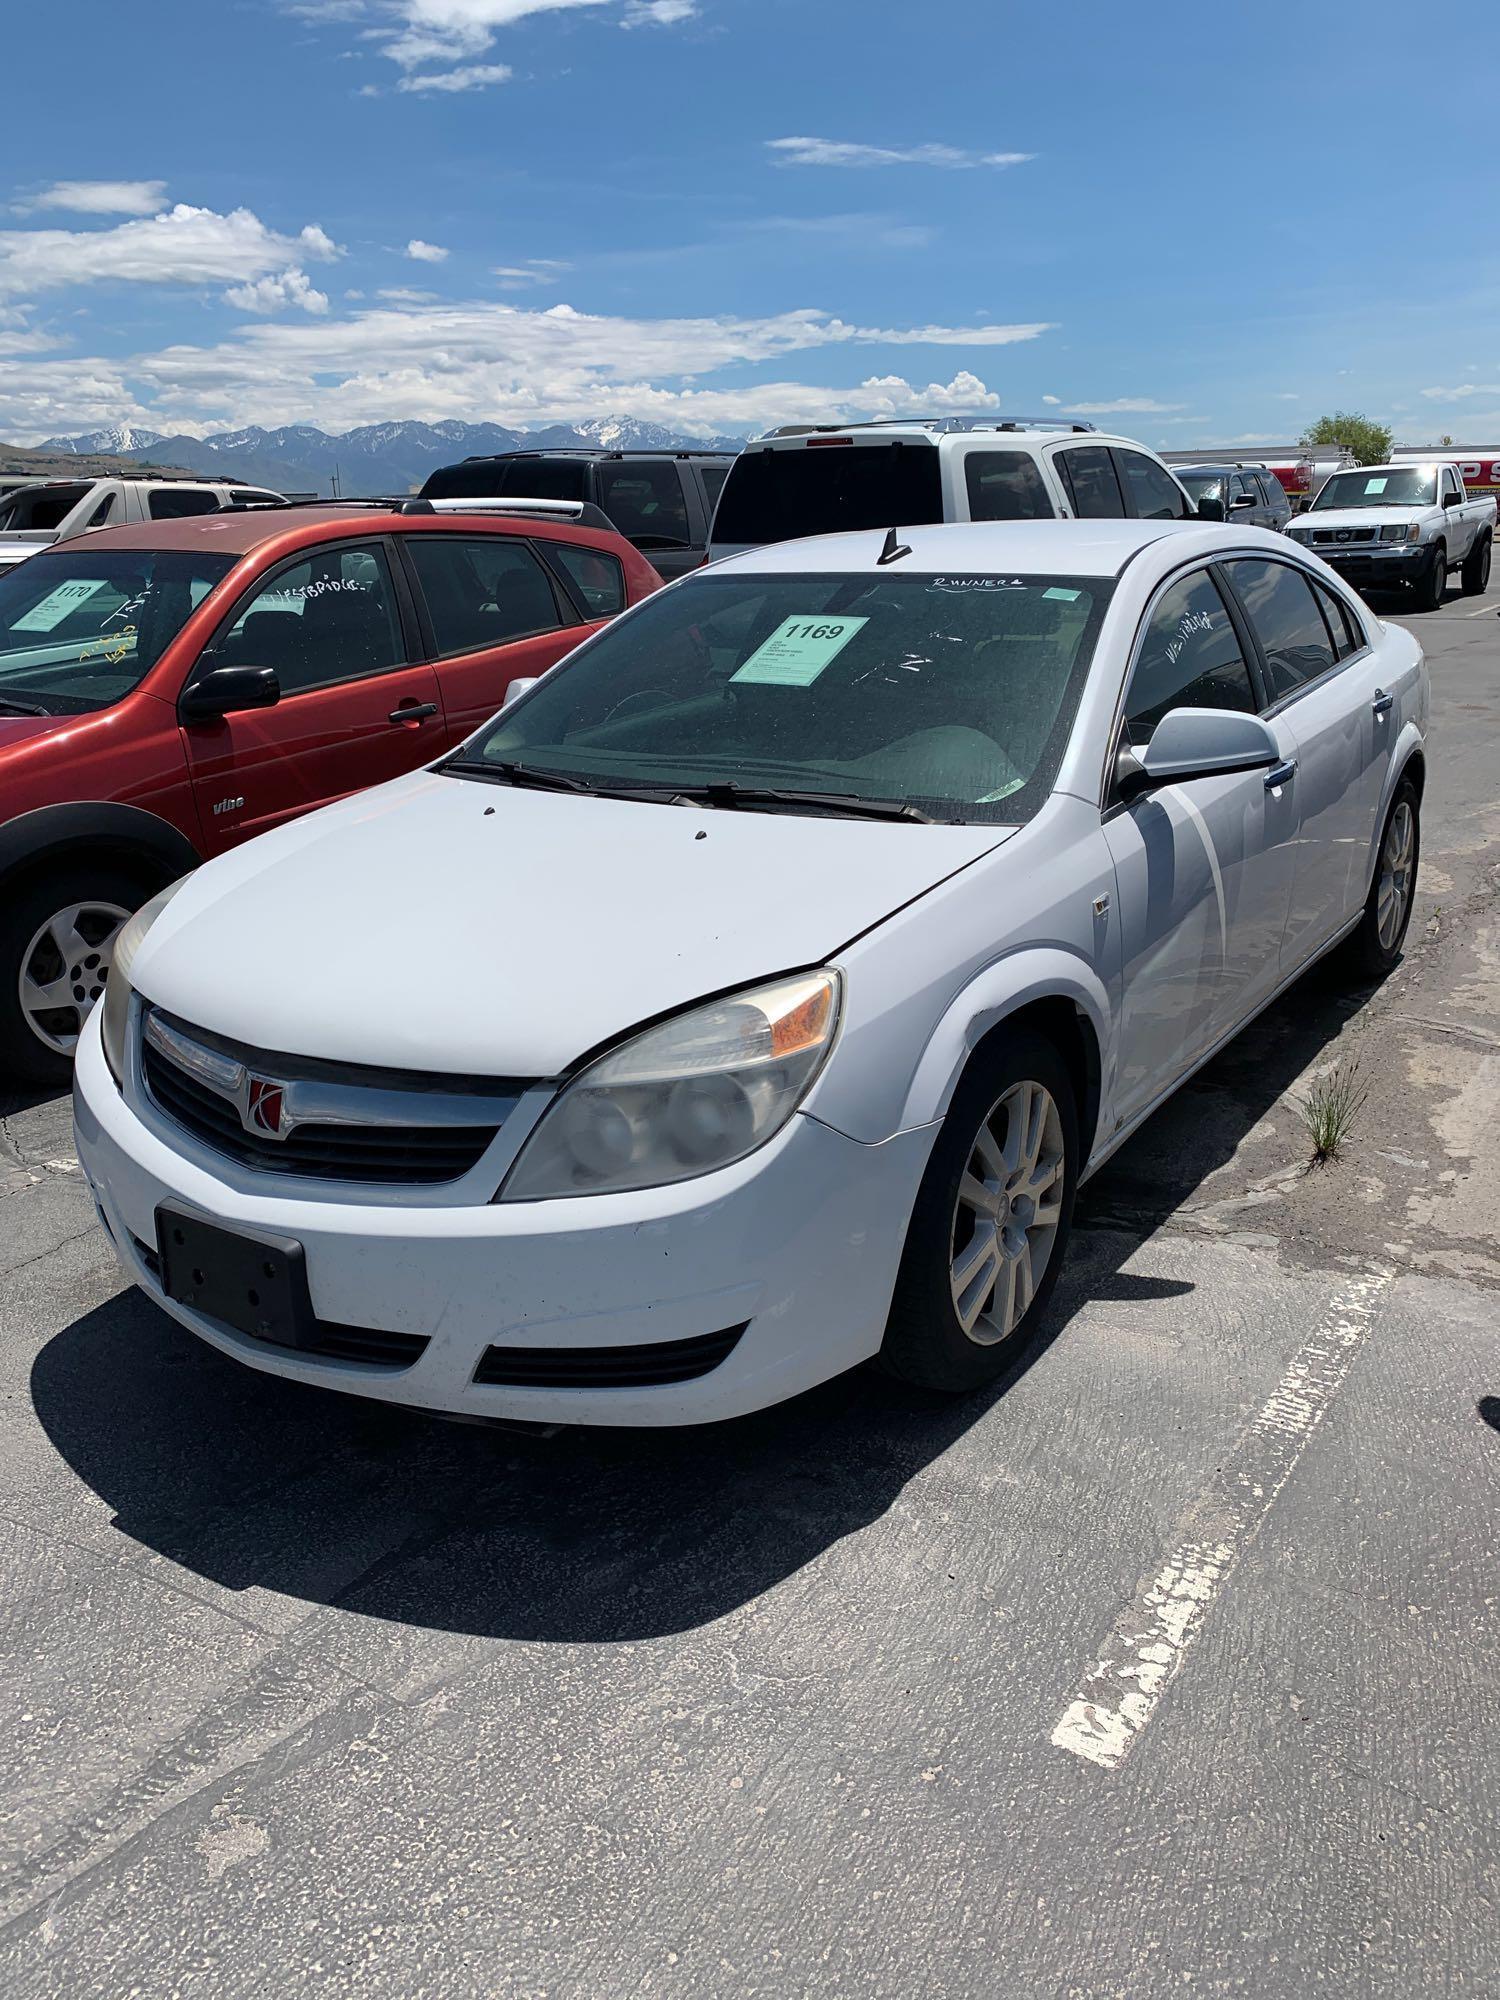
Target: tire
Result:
[[1375, 947], [1475, 575], [36, 1041], [925, 1343], [1431, 585]]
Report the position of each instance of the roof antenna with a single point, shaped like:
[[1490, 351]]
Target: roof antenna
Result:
[[893, 550]]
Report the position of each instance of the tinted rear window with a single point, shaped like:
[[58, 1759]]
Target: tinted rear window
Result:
[[525, 478], [779, 496]]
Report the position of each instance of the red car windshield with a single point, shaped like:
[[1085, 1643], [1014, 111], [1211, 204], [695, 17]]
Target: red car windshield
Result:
[[80, 630]]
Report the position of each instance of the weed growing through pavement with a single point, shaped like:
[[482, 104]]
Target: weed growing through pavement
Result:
[[1330, 1109]]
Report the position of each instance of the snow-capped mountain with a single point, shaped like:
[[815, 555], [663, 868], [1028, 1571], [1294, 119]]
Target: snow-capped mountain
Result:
[[374, 458], [116, 438]]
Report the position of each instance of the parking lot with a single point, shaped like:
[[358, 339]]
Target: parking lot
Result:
[[1167, 1668]]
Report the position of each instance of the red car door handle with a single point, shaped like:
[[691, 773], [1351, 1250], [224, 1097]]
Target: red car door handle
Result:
[[413, 711]]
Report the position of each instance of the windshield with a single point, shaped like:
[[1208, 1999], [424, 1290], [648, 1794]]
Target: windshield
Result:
[[952, 695], [1203, 485], [1396, 486], [39, 507], [78, 631], [826, 489]]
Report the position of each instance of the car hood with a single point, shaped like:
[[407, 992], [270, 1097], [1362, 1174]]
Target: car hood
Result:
[[443, 924], [16, 728], [1361, 517]]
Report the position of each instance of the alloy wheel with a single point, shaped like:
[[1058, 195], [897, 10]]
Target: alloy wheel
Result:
[[1007, 1212], [65, 969], [1394, 892]]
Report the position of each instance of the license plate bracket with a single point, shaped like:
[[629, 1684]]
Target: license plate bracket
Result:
[[255, 1284]]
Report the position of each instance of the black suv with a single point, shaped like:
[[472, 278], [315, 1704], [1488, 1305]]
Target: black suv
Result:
[[661, 501], [1248, 493]]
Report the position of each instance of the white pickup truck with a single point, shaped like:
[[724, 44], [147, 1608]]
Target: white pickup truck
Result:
[[54, 510], [1411, 524]]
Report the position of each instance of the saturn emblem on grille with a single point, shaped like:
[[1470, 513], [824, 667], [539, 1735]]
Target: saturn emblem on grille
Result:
[[264, 1106]]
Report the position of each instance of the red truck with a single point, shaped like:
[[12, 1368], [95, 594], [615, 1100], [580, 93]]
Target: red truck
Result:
[[170, 689]]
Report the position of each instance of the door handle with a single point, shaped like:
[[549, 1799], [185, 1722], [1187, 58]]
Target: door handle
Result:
[[1281, 774], [413, 711], [1383, 702]]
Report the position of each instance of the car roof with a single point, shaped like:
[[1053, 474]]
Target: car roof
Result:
[[982, 436], [598, 451], [1221, 465], [239, 531], [1045, 548]]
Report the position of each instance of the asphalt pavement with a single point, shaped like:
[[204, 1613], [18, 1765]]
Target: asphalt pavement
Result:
[[1168, 1668]]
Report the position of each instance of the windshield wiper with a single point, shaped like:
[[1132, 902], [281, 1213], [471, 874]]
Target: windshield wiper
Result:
[[727, 793], [12, 707], [498, 773]]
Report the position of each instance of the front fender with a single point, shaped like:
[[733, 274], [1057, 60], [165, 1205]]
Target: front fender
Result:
[[1003, 988], [125, 833]]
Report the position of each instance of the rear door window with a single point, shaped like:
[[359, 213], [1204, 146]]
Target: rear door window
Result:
[[713, 477], [1189, 658], [1348, 634], [1153, 492], [1089, 474], [1280, 604], [645, 500], [481, 593], [825, 489], [175, 503], [1006, 486]]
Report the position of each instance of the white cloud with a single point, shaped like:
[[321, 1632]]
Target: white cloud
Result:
[[472, 76], [275, 294], [100, 197], [535, 271], [183, 246], [1122, 405], [846, 153], [492, 359], [1052, 400], [1286, 396], [658, 13], [426, 253], [1462, 392], [405, 295]]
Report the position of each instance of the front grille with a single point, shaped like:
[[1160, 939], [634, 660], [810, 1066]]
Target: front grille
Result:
[[607, 1367], [368, 1344], [1343, 536], [402, 1155]]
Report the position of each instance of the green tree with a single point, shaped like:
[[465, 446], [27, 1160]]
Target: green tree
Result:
[[1370, 442]]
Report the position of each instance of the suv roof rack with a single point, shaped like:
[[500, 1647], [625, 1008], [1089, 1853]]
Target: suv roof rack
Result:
[[601, 451], [582, 512], [945, 424]]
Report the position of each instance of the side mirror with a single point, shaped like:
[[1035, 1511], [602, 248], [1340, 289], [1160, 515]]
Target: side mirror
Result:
[[1196, 743], [516, 689], [1210, 509], [1241, 500], [224, 690]]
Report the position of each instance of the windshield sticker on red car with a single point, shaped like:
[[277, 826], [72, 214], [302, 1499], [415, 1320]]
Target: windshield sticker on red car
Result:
[[57, 605], [798, 650]]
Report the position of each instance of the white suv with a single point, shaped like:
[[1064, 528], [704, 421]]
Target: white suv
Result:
[[54, 510], [822, 479]]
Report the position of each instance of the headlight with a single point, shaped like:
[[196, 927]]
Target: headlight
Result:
[[115, 1007], [696, 1093], [1400, 531], [1300, 534]]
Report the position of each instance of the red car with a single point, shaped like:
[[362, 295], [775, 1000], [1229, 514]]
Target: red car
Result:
[[170, 689]]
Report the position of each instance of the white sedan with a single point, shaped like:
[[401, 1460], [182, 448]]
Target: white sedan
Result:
[[749, 998]]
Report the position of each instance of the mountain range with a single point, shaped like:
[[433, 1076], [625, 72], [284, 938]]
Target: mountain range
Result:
[[374, 459]]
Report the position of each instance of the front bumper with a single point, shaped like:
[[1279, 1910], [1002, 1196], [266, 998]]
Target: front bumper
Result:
[[799, 1243], [1376, 564]]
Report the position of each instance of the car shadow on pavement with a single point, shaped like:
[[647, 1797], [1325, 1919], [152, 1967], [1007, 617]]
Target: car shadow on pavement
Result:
[[584, 1535]]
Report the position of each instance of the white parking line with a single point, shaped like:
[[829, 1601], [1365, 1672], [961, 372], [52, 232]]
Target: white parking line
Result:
[[1483, 611], [1141, 1656]]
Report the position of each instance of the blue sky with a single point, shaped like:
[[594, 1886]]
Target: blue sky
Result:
[[722, 213]]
